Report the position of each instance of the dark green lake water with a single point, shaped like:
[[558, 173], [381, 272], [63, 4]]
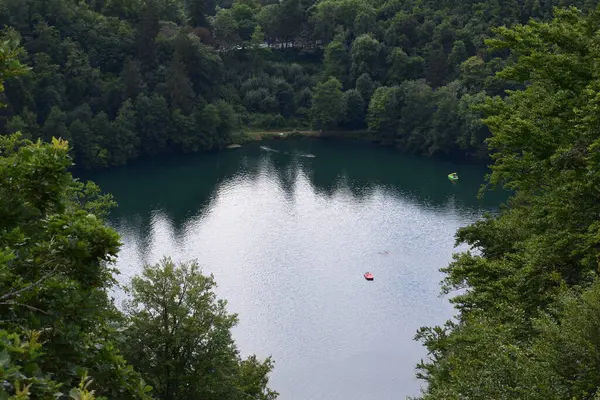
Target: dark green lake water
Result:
[[288, 231]]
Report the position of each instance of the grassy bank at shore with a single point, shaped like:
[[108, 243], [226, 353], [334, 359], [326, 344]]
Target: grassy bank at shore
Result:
[[253, 136]]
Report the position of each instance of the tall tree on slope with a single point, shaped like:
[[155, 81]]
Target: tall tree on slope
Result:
[[526, 317]]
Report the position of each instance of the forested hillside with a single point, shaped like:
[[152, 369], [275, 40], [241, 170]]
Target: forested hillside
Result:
[[529, 321], [122, 79]]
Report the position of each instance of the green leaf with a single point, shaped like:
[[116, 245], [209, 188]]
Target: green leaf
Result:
[[4, 359]]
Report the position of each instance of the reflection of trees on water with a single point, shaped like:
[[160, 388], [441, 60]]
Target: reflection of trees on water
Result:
[[186, 187], [422, 179], [350, 168], [283, 168]]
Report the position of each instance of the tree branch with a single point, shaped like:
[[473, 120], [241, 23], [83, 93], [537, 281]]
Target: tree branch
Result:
[[23, 305], [15, 293]]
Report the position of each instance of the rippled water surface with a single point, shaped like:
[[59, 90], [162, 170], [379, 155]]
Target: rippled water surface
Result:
[[288, 229]]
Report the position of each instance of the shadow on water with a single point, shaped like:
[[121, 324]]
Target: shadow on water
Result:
[[182, 187]]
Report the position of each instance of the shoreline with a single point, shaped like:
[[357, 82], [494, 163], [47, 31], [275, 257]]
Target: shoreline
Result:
[[359, 135], [256, 136]]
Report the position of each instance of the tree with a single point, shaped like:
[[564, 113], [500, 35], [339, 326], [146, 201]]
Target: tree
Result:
[[179, 336], [208, 121], [131, 77], [415, 67], [56, 255], [87, 147], [198, 12], [446, 122], [153, 123], [527, 326], [47, 40], [103, 52], [26, 122], [458, 53], [128, 9], [243, 12], [55, 274], [327, 105], [355, 109], [79, 73], [304, 98], [284, 95], [10, 66], [178, 86], [56, 125], [328, 16], [267, 19], [227, 122], [260, 53], [402, 30], [226, 29], [365, 86], [384, 110], [398, 62], [289, 19], [101, 130], [258, 36], [365, 56], [335, 62], [147, 32], [203, 64], [185, 131], [416, 117], [473, 74], [365, 21], [124, 145], [473, 133], [436, 67]]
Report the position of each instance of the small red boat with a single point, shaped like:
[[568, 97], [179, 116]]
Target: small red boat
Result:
[[368, 276]]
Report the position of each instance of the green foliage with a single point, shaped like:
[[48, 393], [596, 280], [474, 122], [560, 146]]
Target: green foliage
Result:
[[198, 11], [97, 69], [529, 320], [365, 54], [226, 29], [354, 109], [55, 270], [22, 377], [101, 54], [124, 78], [327, 105], [179, 337], [365, 86], [55, 273], [398, 62], [335, 61], [384, 107], [258, 36], [10, 66], [20, 374], [57, 255]]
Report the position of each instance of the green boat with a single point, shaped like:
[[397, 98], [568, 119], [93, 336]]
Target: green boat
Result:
[[453, 176]]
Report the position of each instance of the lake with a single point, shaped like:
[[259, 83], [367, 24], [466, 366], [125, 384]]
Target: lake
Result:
[[288, 228]]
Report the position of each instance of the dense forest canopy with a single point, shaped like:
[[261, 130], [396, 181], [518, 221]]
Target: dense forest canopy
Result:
[[122, 79], [529, 322]]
